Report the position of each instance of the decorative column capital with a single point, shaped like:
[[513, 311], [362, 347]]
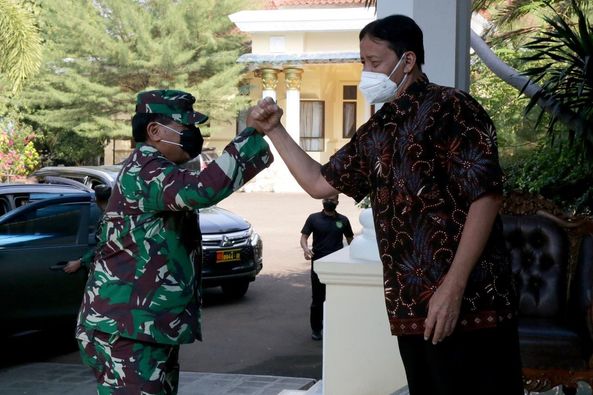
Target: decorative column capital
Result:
[[269, 78], [293, 78]]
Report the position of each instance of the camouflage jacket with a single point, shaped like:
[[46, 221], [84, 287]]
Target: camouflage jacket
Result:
[[146, 279], [87, 258]]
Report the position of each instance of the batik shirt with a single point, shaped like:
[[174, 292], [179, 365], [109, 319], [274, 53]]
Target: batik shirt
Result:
[[146, 279], [423, 159]]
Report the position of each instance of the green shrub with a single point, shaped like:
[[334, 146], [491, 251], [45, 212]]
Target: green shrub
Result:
[[553, 172]]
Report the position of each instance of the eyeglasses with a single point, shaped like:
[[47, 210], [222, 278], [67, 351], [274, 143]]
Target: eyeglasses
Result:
[[171, 129]]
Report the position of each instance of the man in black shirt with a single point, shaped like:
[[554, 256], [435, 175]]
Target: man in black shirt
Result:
[[328, 228]]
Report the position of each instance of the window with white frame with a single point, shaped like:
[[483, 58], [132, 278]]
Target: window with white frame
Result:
[[312, 132]]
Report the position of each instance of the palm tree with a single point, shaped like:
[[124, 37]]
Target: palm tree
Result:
[[527, 85], [509, 12], [561, 60], [20, 44]]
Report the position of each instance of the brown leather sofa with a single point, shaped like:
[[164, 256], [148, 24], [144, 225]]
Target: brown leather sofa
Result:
[[555, 302]]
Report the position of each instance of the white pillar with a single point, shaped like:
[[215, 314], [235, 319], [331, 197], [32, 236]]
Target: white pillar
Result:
[[293, 102], [360, 356], [445, 25], [264, 181], [284, 181]]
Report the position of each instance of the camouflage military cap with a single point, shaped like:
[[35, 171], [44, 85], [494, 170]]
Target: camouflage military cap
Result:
[[176, 105]]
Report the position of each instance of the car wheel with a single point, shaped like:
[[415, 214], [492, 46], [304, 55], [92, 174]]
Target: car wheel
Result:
[[235, 289]]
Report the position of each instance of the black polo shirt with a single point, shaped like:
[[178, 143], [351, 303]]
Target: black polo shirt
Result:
[[328, 232]]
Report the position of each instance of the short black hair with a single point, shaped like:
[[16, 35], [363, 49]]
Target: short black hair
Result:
[[141, 120], [401, 32], [102, 192]]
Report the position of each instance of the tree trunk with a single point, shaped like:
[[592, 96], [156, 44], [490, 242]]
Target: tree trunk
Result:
[[514, 78]]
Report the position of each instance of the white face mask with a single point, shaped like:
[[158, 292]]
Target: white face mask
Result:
[[378, 87]]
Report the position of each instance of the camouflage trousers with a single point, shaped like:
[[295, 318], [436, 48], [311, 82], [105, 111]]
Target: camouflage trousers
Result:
[[128, 367]]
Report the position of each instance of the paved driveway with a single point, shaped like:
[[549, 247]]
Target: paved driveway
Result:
[[267, 332]]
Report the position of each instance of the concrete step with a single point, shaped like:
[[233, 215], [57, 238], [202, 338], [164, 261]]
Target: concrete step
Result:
[[315, 390]]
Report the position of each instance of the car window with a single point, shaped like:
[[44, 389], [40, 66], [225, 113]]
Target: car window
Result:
[[4, 206], [26, 198], [21, 200], [33, 197], [82, 179], [93, 181], [95, 217], [51, 225]]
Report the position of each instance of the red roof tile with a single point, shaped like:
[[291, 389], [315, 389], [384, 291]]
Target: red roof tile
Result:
[[315, 3]]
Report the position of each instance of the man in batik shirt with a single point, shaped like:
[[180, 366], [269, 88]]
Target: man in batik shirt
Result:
[[428, 160], [142, 300]]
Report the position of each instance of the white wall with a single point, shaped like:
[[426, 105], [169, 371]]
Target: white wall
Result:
[[445, 25]]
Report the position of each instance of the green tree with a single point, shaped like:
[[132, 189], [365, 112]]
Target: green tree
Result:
[[504, 103], [515, 18], [552, 42], [68, 148], [555, 43], [20, 44], [561, 59], [100, 53]]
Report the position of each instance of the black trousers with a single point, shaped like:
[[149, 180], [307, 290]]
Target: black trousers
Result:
[[317, 299], [481, 362]]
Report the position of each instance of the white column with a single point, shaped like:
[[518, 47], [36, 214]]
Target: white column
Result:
[[284, 181], [360, 356], [264, 181], [445, 25], [293, 102]]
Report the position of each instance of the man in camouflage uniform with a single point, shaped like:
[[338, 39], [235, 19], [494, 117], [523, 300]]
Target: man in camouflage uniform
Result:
[[142, 300]]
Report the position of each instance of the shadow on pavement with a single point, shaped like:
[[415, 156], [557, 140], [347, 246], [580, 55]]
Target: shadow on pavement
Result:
[[37, 346], [289, 366]]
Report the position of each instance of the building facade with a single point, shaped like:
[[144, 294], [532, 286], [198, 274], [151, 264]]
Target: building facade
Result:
[[305, 55]]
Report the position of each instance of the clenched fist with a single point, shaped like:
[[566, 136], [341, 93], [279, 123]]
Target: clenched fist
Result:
[[265, 116]]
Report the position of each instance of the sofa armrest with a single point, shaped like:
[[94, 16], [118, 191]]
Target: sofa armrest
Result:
[[582, 283]]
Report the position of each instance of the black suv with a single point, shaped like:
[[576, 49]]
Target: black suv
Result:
[[232, 250]]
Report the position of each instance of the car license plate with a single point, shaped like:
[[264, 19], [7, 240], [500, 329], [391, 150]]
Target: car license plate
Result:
[[228, 256]]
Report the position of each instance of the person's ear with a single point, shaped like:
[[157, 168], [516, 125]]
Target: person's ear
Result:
[[409, 61], [153, 132]]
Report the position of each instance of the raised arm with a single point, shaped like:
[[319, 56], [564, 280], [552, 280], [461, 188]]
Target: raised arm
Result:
[[265, 117]]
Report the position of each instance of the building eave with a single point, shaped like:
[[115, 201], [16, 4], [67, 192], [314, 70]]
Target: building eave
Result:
[[303, 20], [255, 61]]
